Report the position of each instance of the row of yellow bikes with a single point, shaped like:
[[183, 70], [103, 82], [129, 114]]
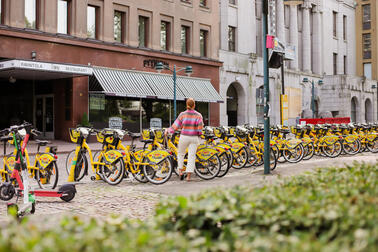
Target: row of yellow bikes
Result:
[[222, 148]]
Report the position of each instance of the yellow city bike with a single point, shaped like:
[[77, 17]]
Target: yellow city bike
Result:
[[224, 149], [239, 150], [325, 142], [108, 167], [253, 138], [207, 164], [145, 165], [289, 149], [44, 168]]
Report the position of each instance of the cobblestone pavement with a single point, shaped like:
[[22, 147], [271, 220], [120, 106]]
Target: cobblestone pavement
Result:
[[137, 201]]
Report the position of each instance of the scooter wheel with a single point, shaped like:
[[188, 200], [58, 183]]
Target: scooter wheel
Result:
[[69, 192]]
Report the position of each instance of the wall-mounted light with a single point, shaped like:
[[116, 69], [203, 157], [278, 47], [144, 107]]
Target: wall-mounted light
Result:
[[12, 80], [33, 55]]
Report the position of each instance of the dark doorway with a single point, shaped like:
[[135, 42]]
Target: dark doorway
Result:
[[232, 106]]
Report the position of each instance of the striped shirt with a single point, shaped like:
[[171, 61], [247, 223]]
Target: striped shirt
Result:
[[190, 122]]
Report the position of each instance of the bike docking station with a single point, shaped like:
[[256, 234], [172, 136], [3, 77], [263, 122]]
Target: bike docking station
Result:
[[18, 183]]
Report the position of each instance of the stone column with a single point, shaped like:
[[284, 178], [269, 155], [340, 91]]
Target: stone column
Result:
[[340, 53], [294, 34], [317, 42], [280, 12], [306, 38]]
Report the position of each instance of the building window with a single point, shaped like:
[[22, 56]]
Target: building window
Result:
[[92, 22], [203, 43], [231, 38], [344, 27], [366, 42], [63, 17], [143, 31], [366, 17], [1, 12], [367, 70], [185, 39], [232, 2], [187, 1], [287, 16], [258, 9], [260, 104], [164, 35], [119, 26], [31, 14], [335, 64], [203, 3], [345, 65], [334, 24]]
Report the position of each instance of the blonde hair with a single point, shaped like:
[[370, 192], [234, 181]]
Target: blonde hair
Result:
[[190, 103]]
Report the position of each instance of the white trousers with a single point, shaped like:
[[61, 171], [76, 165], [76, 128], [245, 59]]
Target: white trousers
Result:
[[190, 143]]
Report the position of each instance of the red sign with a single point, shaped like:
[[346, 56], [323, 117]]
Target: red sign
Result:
[[325, 120]]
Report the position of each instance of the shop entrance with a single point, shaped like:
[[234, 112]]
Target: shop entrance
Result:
[[44, 115]]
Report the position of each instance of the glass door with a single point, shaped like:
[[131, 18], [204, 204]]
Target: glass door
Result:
[[44, 115]]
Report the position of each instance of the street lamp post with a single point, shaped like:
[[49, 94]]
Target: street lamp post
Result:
[[320, 82], [188, 70]]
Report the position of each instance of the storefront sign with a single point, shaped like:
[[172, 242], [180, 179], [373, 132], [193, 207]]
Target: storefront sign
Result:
[[284, 110], [151, 63], [97, 101], [156, 123], [45, 66], [115, 123]]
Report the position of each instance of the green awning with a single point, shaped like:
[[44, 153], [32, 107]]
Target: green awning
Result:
[[127, 83]]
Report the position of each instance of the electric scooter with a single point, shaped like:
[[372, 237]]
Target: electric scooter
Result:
[[19, 184]]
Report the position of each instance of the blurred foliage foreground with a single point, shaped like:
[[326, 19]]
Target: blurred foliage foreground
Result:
[[329, 210]]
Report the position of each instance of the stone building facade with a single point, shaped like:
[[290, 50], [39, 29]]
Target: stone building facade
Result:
[[323, 35], [119, 35]]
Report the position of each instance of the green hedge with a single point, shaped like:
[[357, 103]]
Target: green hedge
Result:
[[330, 210]]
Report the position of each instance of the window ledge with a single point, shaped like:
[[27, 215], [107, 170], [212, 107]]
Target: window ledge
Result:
[[233, 5], [187, 3], [204, 8]]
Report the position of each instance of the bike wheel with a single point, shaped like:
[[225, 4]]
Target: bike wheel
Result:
[[372, 146], [293, 155], [48, 177], [309, 151], [208, 169], [333, 150], [112, 173], [158, 173], [252, 158], [240, 158], [70, 157], [139, 176], [272, 160], [352, 148], [81, 167], [225, 164]]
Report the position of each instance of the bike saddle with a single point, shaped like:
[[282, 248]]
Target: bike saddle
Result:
[[42, 142], [134, 135], [5, 138], [145, 140]]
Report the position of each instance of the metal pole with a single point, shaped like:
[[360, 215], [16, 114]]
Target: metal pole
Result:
[[140, 116], [313, 99], [282, 86], [283, 74], [174, 92], [266, 89]]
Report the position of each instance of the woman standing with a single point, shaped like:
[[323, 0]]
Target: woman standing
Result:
[[190, 122]]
